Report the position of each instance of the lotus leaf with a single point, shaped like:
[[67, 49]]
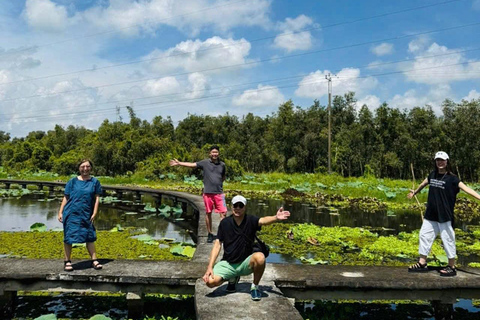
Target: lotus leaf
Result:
[[100, 317], [50, 316], [143, 237], [390, 195], [148, 208], [178, 250], [40, 227]]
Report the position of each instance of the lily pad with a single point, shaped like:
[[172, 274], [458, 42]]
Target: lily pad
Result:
[[187, 251], [100, 317], [143, 237], [50, 316], [390, 195], [40, 227]]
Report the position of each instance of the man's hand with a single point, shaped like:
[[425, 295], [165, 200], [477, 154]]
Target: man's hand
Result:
[[282, 215], [174, 162], [208, 274]]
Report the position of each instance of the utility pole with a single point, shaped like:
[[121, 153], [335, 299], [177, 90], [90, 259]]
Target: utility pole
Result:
[[329, 111]]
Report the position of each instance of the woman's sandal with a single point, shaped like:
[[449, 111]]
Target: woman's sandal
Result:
[[448, 272], [96, 265], [67, 265], [418, 267]]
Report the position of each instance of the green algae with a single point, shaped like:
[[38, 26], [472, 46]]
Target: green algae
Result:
[[358, 246], [110, 245]]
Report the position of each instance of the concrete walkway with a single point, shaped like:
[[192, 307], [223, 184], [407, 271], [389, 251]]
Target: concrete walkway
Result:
[[216, 304]]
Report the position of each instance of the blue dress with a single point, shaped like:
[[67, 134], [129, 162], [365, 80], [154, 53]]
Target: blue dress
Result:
[[77, 227]]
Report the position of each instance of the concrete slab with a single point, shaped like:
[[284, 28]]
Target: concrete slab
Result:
[[214, 304]]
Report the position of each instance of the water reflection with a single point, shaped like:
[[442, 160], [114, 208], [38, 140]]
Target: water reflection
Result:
[[19, 214], [462, 309], [389, 223]]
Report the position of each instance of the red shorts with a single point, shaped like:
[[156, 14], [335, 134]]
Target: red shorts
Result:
[[215, 200]]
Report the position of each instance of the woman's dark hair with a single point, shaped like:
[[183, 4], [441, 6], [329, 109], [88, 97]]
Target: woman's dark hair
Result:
[[85, 160]]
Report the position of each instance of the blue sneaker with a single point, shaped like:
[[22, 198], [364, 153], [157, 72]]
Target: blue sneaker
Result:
[[232, 285], [255, 293]]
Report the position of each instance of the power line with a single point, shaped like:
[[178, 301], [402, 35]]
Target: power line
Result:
[[219, 96], [265, 81], [125, 28], [252, 62], [228, 46]]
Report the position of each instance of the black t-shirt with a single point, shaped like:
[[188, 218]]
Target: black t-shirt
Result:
[[442, 196], [237, 239]]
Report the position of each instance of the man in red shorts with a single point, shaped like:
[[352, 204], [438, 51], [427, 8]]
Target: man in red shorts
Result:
[[213, 177]]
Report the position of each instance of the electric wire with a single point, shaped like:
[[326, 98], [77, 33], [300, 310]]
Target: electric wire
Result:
[[225, 46], [264, 81], [252, 62]]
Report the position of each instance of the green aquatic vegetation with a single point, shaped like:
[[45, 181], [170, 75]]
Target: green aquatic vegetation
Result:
[[109, 245], [39, 227], [100, 317], [148, 208], [50, 316], [14, 193], [182, 250], [355, 246]]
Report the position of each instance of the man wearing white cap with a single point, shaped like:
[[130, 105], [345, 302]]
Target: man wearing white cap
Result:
[[237, 234], [439, 218]]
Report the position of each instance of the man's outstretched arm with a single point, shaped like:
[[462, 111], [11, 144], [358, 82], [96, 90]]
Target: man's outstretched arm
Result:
[[175, 162], [281, 215]]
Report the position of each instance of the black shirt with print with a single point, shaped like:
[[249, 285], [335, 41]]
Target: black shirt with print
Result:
[[237, 239], [442, 196]]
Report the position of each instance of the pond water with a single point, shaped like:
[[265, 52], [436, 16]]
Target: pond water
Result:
[[18, 214]]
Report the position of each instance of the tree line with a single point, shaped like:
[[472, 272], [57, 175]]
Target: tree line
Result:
[[384, 142]]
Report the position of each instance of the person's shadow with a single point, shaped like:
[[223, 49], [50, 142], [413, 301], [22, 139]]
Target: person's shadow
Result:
[[87, 264], [243, 288]]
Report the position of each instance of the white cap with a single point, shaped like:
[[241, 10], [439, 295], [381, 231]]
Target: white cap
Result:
[[238, 199], [441, 155]]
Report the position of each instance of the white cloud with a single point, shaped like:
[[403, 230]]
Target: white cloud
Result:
[[438, 64], [291, 39], [76, 107], [382, 49], [45, 15], [163, 86], [418, 44], [348, 79], [371, 101], [198, 85], [263, 96], [473, 94], [418, 98], [196, 55], [193, 16]]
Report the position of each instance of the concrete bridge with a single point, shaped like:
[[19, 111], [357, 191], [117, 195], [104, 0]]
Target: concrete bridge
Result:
[[280, 285]]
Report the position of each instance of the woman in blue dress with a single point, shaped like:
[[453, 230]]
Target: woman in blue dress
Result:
[[78, 211]]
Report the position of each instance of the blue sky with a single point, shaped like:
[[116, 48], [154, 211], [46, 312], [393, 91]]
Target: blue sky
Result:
[[74, 62]]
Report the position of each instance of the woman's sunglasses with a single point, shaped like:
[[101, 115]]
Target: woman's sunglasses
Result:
[[238, 205]]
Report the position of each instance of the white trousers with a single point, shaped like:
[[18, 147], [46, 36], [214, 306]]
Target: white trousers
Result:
[[430, 230]]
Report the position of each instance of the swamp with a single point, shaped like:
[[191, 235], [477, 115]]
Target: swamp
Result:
[[326, 227]]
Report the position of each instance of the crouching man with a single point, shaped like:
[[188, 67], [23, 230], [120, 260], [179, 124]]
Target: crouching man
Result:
[[237, 234]]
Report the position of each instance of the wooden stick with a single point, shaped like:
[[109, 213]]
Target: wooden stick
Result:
[[413, 187]]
